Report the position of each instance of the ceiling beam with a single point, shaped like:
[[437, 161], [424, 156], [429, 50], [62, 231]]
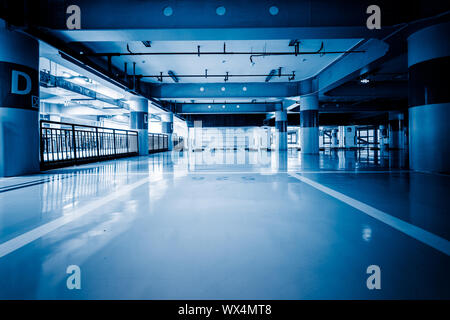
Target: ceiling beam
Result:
[[344, 68], [211, 108], [223, 90]]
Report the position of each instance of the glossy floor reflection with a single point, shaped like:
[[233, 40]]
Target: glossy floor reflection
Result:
[[223, 225]]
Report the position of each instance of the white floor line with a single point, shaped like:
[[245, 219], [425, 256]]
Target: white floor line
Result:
[[349, 172], [417, 233], [32, 235]]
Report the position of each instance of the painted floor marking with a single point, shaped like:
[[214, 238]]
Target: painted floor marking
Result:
[[415, 232], [32, 235]]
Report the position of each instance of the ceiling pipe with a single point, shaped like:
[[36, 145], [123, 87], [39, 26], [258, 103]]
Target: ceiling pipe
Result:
[[197, 53], [225, 76]]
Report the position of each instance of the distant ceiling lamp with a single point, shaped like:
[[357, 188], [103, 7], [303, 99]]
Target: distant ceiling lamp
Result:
[[168, 11], [209, 107], [273, 10], [202, 89], [364, 80], [173, 76], [244, 88], [271, 74], [222, 89], [238, 106], [223, 106], [221, 10], [147, 44]]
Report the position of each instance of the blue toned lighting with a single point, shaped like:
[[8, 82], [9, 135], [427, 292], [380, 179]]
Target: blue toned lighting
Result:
[[273, 10], [168, 11], [223, 88], [220, 10], [202, 89], [244, 88]]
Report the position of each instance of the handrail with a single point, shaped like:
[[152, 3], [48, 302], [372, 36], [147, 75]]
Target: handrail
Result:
[[69, 146]]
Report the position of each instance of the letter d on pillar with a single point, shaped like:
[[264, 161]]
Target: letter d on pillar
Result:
[[15, 82]]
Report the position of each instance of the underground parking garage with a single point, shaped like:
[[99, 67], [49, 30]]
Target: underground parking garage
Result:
[[221, 150]]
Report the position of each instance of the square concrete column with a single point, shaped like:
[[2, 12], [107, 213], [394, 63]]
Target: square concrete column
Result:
[[139, 122], [167, 127]]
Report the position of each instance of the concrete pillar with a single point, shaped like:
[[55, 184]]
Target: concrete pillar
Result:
[[19, 103], [396, 130], [167, 128], [309, 124], [382, 137], [350, 136], [139, 122], [281, 130], [334, 138], [429, 99]]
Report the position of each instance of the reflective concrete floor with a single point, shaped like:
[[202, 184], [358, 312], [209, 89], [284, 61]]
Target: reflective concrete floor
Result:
[[227, 225]]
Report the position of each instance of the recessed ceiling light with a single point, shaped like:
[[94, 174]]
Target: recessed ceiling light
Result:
[[223, 89], [273, 10], [168, 11], [202, 89], [220, 10], [244, 88], [365, 80], [209, 107], [238, 106], [223, 106]]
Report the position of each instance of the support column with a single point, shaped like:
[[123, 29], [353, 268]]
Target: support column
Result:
[[309, 124], [167, 128], [382, 137], [139, 122], [429, 99], [19, 103], [396, 130], [281, 130], [334, 138]]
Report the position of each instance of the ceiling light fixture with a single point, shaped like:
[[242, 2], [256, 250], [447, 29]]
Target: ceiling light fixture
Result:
[[168, 11], [271, 74], [273, 10], [173, 76], [364, 80], [220, 10]]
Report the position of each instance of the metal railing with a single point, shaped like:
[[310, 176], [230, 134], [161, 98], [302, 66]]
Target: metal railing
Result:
[[65, 144], [157, 142]]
